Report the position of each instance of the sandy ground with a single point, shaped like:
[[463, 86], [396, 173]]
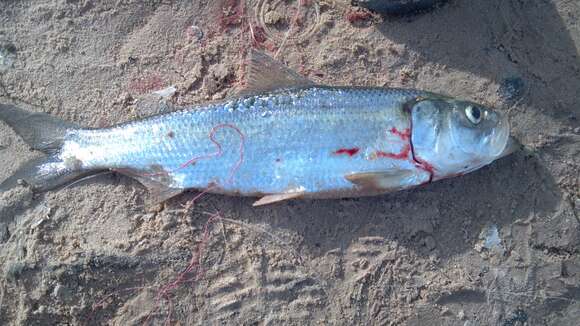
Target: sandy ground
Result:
[[500, 246]]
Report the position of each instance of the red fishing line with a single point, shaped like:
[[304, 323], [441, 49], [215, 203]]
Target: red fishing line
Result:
[[195, 262], [217, 153]]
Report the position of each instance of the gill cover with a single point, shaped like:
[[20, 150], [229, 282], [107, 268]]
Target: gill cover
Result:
[[456, 137]]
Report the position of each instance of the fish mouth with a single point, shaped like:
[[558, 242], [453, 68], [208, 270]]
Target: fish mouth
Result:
[[511, 146]]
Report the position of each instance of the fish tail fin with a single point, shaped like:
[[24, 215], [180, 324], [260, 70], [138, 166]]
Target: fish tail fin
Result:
[[40, 131], [44, 133], [42, 174]]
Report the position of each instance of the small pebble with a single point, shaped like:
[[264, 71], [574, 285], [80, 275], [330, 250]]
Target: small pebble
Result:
[[511, 88], [14, 271], [430, 243], [166, 92], [62, 293], [4, 233], [169, 221], [7, 55], [194, 33]]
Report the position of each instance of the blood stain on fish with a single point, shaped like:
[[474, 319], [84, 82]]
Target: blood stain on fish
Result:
[[425, 166], [348, 151], [403, 154], [404, 135]]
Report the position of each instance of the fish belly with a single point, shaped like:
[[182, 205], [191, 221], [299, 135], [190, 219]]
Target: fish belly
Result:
[[303, 140]]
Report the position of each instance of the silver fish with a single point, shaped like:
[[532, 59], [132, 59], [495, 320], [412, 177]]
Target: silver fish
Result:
[[287, 138]]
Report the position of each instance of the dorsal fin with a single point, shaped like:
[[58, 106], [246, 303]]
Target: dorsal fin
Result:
[[266, 74]]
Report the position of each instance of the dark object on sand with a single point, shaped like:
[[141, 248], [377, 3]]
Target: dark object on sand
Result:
[[511, 89], [518, 317], [398, 7]]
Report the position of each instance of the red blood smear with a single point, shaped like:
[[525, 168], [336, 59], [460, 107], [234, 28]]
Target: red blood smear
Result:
[[348, 151], [146, 84], [425, 166], [420, 163], [404, 154], [405, 134], [357, 16], [258, 36], [233, 18], [270, 47]]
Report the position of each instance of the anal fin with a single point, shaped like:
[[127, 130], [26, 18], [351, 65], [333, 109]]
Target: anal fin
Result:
[[157, 184], [275, 198], [158, 192]]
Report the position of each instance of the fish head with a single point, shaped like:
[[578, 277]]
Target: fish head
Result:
[[454, 137]]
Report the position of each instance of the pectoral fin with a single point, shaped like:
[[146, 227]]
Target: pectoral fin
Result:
[[382, 181], [270, 199]]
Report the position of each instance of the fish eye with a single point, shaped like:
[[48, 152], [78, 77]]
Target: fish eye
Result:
[[474, 114]]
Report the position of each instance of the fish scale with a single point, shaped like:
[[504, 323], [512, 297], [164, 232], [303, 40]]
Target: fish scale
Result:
[[292, 147]]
